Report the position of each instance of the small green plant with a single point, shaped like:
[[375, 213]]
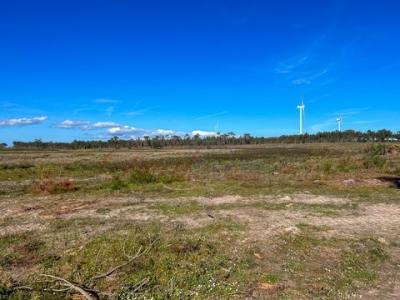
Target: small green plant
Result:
[[117, 183], [142, 176], [271, 278]]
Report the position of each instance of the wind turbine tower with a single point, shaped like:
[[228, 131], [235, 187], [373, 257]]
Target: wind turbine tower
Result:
[[301, 111], [339, 123]]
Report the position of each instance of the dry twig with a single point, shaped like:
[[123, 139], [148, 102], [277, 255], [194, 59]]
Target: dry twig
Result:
[[131, 259], [89, 295]]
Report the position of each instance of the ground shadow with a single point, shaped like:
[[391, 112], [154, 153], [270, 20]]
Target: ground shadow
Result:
[[394, 180]]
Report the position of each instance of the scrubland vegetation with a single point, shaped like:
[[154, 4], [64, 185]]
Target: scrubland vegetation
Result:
[[219, 140], [282, 221]]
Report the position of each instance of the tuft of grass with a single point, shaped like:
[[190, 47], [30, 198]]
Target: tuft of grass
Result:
[[270, 278], [143, 176], [374, 161]]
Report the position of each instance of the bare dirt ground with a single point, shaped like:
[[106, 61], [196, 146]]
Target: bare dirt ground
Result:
[[264, 218], [380, 219]]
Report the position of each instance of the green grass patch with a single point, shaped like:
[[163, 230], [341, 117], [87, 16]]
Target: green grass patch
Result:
[[327, 267], [181, 264], [180, 208]]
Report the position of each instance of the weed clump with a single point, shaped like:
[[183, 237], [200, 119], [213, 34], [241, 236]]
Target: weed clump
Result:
[[117, 183], [143, 176], [45, 187]]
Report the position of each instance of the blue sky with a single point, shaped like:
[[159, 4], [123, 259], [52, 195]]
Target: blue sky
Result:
[[93, 69]]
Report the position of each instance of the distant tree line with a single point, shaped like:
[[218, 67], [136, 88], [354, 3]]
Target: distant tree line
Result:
[[230, 138]]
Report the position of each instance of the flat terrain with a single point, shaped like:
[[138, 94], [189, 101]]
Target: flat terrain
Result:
[[315, 221]]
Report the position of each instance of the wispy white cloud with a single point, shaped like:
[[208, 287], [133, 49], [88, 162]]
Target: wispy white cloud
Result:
[[84, 108], [141, 111], [363, 122], [310, 78], [68, 124], [85, 125], [103, 105], [301, 81], [347, 120], [8, 105], [202, 133], [291, 65], [135, 112], [126, 131], [317, 98], [22, 121], [109, 111], [350, 111], [318, 74], [210, 116], [327, 125], [106, 101], [163, 132], [107, 129], [104, 125], [307, 66], [15, 108]]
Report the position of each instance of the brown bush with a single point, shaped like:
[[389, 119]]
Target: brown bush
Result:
[[45, 187]]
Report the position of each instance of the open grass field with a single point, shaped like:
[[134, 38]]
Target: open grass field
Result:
[[314, 221]]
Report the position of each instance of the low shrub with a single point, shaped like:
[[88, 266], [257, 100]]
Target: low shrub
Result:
[[45, 187], [117, 183], [142, 176]]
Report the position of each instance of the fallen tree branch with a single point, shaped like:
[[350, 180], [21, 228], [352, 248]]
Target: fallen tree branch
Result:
[[52, 290], [87, 292], [89, 295], [131, 259], [23, 288], [140, 284]]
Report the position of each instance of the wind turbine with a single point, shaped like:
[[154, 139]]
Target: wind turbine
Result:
[[339, 123], [301, 111]]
